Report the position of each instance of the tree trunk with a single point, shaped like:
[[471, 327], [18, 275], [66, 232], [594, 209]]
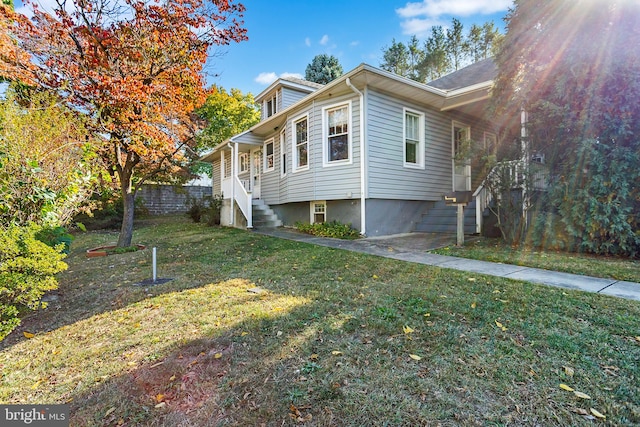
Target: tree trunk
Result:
[[126, 230]]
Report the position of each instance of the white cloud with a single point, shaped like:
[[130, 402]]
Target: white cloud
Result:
[[324, 40], [419, 17], [307, 42], [268, 78], [354, 43], [293, 75]]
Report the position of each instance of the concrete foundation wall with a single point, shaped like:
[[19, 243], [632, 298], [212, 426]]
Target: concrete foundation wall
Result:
[[386, 217]]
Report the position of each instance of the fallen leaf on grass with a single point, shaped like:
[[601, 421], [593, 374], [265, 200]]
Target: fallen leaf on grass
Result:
[[28, 335], [568, 370], [427, 315], [566, 387], [160, 405], [474, 305], [597, 414], [375, 276], [217, 355], [109, 412], [581, 395], [501, 326], [407, 329], [579, 411], [471, 279], [336, 353], [415, 357], [637, 339]]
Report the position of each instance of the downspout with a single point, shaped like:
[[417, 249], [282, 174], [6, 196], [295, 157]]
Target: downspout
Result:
[[233, 185], [363, 181]]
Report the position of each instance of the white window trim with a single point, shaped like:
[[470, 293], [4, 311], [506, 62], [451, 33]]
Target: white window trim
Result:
[[274, 106], [454, 125], [420, 150], [265, 163], [294, 152], [485, 140], [246, 164], [312, 210], [283, 151], [325, 135]]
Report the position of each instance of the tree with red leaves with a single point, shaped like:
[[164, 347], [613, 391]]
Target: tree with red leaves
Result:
[[135, 68]]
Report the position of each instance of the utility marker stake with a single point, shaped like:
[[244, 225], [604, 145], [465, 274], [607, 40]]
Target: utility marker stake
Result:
[[153, 257]]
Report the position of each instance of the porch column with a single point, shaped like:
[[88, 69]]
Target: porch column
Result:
[[526, 158]]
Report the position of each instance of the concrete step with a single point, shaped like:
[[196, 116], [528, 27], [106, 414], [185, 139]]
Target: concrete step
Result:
[[442, 218]]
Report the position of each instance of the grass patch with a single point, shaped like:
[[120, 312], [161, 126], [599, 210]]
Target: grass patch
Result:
[[495, 250], [255, 330]]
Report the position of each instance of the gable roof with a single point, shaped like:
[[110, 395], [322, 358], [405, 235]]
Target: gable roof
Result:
[[290, 82], [457, 95], [479, 72]]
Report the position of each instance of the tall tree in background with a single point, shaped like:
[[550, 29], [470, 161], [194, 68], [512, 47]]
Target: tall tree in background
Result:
[[436, 61], [226, 115], [323, 69], [444, 51], [574, 66], [135, 68], [395, 58]]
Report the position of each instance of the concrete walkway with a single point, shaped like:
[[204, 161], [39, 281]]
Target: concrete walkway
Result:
[[413, 247]]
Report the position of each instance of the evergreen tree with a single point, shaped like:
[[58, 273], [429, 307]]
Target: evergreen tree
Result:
[[323, 69], [574, 67]]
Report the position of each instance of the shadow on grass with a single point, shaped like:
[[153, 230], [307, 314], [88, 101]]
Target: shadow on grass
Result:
[[191, 254], [328, 342]]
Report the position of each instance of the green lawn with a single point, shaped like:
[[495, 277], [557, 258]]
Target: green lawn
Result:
[[254, 330], [590, 265]]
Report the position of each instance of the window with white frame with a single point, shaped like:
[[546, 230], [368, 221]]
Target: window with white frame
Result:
[[283, 153], [337, 139], [461, 141], [301, 143], [243, 159], [490, 143], [318, 212], [270, 106], [268, 156], [413, 139]]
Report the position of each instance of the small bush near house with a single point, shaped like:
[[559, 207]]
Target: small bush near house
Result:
[[329, 229], [207, 209], [27, 270]]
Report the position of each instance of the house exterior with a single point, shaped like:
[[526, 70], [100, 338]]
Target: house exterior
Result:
[[371, 149]]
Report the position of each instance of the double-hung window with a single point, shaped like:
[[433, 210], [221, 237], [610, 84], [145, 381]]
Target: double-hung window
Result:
[[413, 139], [336, 123], [301, 142], [271, 106], [243, 159], [268, 156], [318, 212]]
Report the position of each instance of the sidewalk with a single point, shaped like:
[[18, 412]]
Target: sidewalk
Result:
[[413, 247]]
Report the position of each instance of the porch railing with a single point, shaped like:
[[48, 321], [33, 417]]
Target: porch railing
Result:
[[511, 171], [243, 198]]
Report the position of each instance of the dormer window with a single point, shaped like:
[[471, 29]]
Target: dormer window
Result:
[[271, 106]]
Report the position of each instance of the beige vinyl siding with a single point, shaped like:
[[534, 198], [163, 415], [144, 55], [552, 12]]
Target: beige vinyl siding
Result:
[[388, 178]]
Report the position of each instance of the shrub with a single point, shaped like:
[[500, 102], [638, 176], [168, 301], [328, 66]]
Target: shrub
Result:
[[329, 229], [207, 208], [27, 270], [55, 236]]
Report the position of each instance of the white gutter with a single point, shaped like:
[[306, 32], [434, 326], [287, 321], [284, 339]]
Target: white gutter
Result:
[[363, 139]]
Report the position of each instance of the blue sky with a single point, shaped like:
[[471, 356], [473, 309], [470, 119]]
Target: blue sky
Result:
[[284, 36]]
